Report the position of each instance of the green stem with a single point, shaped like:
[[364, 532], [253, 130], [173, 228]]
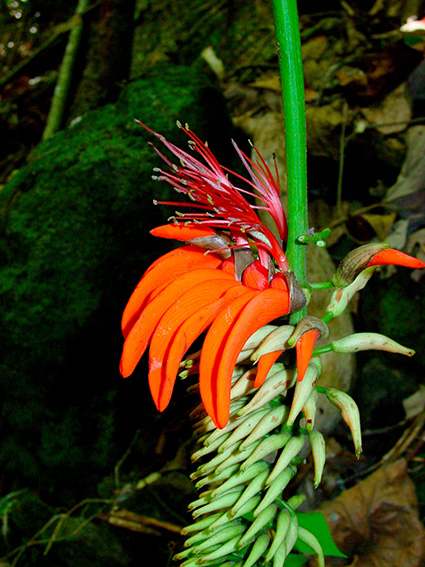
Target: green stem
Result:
[[292, 79]]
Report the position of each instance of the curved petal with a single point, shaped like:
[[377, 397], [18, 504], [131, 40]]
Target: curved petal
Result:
[[163, 270], [212, 348], [395, 258], [141, 332], [196, 324], [265, 362], [224, 342], [181, 232], [161, 354], [304, 347]]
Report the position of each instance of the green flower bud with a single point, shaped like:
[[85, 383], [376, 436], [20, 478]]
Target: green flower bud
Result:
[[245, 428], [350, 414], [292, 534], [223, 550], [276, 488], [276, 340], [303, 390], [259, 547], [266, 447], [282, 526], [318, 450], [276, 416], [309, 410], [223, 502], [254, 487], [274, 385], [369, 341], [290, 451], [241, 477], [220, 537], [264, 518], [309, 539]]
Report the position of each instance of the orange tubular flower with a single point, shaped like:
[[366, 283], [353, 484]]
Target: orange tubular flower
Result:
[[222, 281]]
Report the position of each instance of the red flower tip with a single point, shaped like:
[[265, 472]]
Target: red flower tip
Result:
[[304, 347], [181, 232], [265, 364], [395, 258], [256, 276]]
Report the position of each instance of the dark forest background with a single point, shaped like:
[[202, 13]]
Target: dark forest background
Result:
[[90, 473]]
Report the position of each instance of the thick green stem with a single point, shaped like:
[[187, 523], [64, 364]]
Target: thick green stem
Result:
[[292, 79]]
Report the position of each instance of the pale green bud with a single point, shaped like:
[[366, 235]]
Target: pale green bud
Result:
[[266, 447], [350, 414], [211, 465], [254, 487], [200, 525], [204, 534], [303, 390], [290, 451], [223, 502], [276, 416], [220, 537], [276, 340], [369, 341], [280, 555], [243, 385], [309, 410], [295, 501], [343, 295], [224, 519], [309, 539], [318, 450], [258, 337], [282, 526], [292, 534], [259, 547], [241, 477], [275, 384], [223, 550], [245, 428], [236, 456], [265, 517], [276, 488], [206, 449]]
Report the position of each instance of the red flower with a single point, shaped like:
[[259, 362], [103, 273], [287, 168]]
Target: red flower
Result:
[[226, 292]]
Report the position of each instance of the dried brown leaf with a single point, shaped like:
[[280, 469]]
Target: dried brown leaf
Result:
[[377, 522]]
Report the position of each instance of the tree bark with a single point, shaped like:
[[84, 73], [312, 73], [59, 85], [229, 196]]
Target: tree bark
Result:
[[108, 56]]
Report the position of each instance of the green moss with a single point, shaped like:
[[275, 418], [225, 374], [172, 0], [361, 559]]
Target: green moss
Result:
[[76, 219]]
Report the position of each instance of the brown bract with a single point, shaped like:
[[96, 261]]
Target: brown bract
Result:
[[376, 523]]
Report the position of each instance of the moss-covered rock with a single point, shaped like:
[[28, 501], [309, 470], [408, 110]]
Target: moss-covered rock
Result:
[[391, 307], [75, 222]]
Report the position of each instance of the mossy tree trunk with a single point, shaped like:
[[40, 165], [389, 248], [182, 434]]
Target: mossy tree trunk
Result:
[[107, 58]]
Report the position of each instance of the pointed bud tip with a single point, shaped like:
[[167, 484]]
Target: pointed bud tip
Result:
[[390, 256]]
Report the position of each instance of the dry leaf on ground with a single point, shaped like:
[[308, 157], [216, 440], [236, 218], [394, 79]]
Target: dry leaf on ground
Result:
[[376, 523]]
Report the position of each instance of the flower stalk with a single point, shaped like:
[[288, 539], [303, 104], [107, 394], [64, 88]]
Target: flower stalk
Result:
[[292, 79]]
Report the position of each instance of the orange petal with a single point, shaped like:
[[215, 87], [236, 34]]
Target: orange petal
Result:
[[141, 332], [395, 258], [167, 268], [256, 276], [279, 281], [265, 362], [196, 324], [304, 347], [161, 355], [181, 232], [212, 349], [262, 308]]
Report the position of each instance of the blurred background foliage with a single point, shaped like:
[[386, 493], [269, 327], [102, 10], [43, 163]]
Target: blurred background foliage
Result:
[[75, 214]]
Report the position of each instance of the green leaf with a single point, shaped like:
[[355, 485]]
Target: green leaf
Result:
[[294, 560], [316, 524]]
